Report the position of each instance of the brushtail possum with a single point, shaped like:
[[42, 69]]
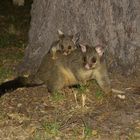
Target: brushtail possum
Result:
[[66, 44], [80, 65]]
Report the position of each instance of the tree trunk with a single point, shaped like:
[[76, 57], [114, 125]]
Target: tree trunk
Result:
[[112, 23]]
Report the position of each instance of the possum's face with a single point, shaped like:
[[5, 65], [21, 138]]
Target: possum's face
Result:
[[67, 45], [92, 57]]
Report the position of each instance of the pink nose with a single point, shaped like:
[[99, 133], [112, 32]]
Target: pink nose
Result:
[[65, 53], [87, 66]]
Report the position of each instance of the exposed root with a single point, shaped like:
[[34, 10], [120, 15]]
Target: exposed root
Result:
[[118, 91]]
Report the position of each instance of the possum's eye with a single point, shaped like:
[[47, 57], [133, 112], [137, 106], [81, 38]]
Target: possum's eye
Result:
[[93, 60], [85, 59], [69, 47], [62, 47]]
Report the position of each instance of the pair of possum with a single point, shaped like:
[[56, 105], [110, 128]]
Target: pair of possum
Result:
[[58, 70]]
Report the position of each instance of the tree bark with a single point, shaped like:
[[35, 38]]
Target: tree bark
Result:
[[112, 23]]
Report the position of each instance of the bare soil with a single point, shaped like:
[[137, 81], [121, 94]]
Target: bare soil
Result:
[[33, 113]]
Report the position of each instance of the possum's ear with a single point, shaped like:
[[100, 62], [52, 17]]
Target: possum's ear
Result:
[[83, 48], [60, 34], [100, 50], [76, 38]]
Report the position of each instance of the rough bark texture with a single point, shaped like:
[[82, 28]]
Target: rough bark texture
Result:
[[114, 23]]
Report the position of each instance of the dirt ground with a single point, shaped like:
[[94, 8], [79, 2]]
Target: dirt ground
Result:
[[35, 114]]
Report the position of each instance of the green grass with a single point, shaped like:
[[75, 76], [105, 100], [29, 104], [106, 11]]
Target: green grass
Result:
[[52, 128], [57, 96], [7, 40], [87, 132], [99, 94], [50, 131], [82, 89], [5, 73], [11, 56]]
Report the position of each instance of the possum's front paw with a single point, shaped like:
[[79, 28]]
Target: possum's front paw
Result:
[[54, 57]]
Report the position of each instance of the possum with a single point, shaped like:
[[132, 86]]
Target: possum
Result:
[[66, 44], [81, 65]]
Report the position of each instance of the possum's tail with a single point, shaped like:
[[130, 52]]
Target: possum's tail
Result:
[[17, 83]]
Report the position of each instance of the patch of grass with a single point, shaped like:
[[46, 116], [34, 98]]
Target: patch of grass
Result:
[[11, 56], [81, 88], [75, 134], [40, 136], [37, 136], [5, 73], [8, 40], [57, 96], [2, 116], [52, 128], [17, 56], [135, 135], [99, 94], [50, 131], [87, 132]]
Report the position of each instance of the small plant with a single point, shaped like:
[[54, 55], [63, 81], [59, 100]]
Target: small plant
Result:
[[57, 96], [5, 73], [82, 88], [7, 40], [39, 136], [52, 128], [87, 132], [99, 94]]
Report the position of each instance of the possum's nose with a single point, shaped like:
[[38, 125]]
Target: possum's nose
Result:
[[87, 66], [65, 53], [90, 65]]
